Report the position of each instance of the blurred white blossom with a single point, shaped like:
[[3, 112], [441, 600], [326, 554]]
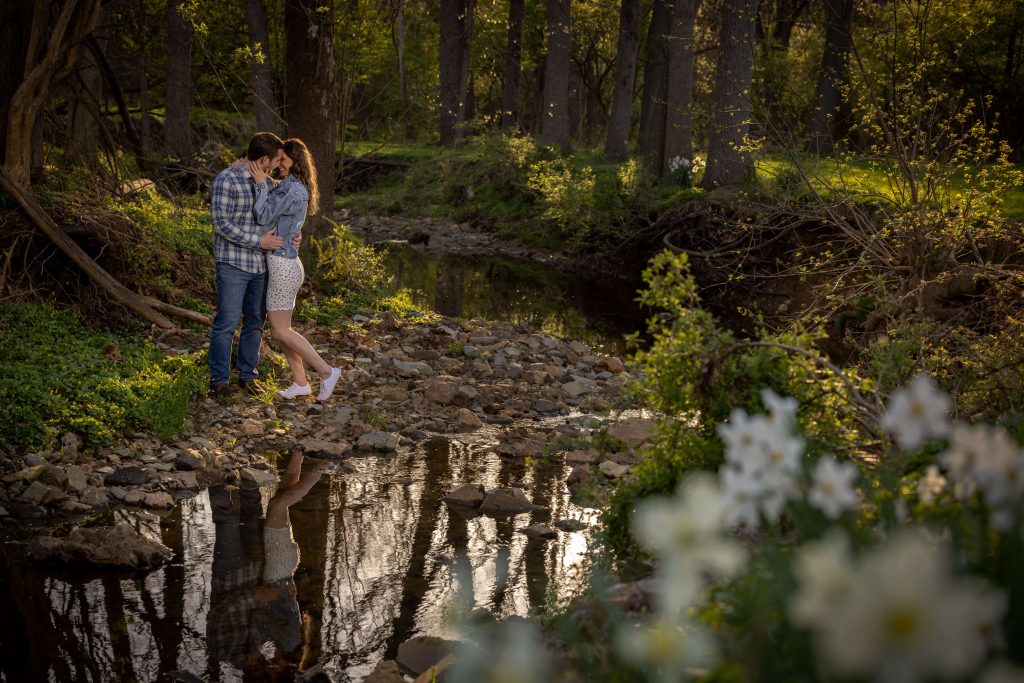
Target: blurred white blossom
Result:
[[904, 617], [917, 413], [824, 570], [832, 490], [930, 485], [985, 458], [507, 652], [665, 648]]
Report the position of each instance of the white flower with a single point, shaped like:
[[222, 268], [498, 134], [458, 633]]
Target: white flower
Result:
[[917, 413], [930, 485], [781, 409], [833, 491], [986, 458], [742, 491], [824, 571], [686, 533], [665, 647], [905, 618], [743, 436]]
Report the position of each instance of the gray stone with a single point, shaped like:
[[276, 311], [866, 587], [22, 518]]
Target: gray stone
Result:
[[127, 476], [95, 497], [53, 475], [377, 441], [386, 671], [576, 388], [538, 531], [634, 431], [183, 480], [466, 495], [188, 460], [571, 525], [470, 351], [393, 394], [588, 456], [580, 473], [320, 448], [117, 546], [413, 368], [544, 405], [77, 481], [420, 653], [254, 479], [613, 469], [39, 493], [520, 445], [158, 499], [467, 420], [441, 391], [505, 501]]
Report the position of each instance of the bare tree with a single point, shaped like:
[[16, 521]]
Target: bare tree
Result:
[[84, 95], [15, 28], [655, 92], [403, 73], [453, 29], [728, 164], [831, 113], [259, 67], [615, 145], [679, 105], [513, 66], [555, 116], [312, 100], [177, 129], [50, 56]]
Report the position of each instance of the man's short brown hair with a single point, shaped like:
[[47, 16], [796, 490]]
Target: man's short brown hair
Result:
[[263, 145]]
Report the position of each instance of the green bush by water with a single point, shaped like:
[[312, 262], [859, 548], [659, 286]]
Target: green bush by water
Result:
[[59, 375]]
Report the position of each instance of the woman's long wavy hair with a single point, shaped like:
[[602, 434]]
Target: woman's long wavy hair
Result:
[[304, 168]]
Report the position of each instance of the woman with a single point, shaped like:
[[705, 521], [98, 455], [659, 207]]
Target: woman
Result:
[[286, 206]]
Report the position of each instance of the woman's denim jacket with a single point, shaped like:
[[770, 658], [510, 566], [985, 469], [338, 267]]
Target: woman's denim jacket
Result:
[[284, 206]]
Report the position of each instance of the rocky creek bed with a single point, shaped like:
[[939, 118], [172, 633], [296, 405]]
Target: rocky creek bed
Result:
[[525, 407]]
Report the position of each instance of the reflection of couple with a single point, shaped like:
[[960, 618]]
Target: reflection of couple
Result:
[[257, 227], [255, 622]]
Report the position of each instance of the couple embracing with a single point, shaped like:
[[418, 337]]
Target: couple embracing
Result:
[[257, 226]]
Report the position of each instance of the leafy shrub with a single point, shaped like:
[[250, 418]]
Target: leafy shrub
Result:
[[345, 265], [59, 375]]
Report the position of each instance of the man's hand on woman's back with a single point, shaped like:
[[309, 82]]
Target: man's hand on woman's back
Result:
[[270, 242]]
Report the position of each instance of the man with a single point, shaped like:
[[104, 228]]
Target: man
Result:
[[239, 250]]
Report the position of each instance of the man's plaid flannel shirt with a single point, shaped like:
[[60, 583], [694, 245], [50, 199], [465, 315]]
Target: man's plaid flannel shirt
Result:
[[236, 235]]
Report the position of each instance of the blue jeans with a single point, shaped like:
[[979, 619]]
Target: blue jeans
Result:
[[240, 294]]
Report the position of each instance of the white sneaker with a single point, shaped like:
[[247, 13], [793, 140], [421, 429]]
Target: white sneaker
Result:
[[327, 385], [295, 390]]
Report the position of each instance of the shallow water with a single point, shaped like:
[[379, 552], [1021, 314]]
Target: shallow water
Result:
[[599, 312], [376, 548]]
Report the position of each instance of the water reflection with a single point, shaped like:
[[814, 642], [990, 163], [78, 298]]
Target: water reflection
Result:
[[599, 312], [336, 569]]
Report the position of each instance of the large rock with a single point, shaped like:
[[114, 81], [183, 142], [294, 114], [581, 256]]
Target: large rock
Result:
[[255, 479], [587, 457], [127, 476], [77, 481], [96, 497], [319, 448], [39, 493], [393, 393], [467, 421], [117, 546], [377, 441], [53, 475], [577, 388], [506, 501], [613, 469], [634, 431], [158, 499], [188, 460], [466, 495], [538, 531], [252, 427], [441, 391], [520, 445], [418, 654], [386, 671], [413, 368], [612, 364]]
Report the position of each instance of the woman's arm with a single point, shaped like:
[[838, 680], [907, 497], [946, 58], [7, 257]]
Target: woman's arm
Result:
[[269, 206]]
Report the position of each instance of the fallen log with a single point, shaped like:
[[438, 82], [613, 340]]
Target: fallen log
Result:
[[99, 275], [178, 312]]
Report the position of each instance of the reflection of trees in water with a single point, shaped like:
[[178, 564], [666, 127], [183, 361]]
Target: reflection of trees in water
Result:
[[375, 570]]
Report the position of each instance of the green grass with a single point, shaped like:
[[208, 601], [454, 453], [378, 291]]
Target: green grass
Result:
[[59, 375]]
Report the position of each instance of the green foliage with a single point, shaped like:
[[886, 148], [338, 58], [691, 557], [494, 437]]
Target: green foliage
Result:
[[61, 376], [345, 265]]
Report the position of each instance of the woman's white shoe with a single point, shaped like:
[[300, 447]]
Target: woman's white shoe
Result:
[[295, 390], [327, 385]]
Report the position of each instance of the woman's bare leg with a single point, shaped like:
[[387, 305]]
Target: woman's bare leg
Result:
[[292, 341], [296, 365]]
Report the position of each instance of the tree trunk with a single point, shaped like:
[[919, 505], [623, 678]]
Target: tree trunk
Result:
[[51, 54], [259, 67], [615, 144], [466, 94], [312, 93], [15, 28], [555, 116], [655, 92], [84, 96], [122, 107], [728, 164], [831, 115], [513, 66], [679, 105], [403, 76], [453, 27], [177, 130]]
